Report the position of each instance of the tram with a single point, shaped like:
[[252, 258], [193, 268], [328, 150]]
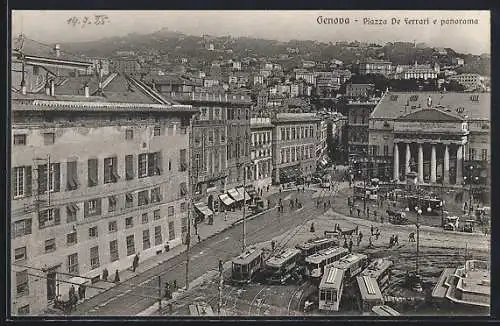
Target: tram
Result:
[[279, 267], [317, 262], [352, 264], [330, 289], [384, 311], [368, 192], [380, 270], [247, 265], [369, 293], [315, 245]]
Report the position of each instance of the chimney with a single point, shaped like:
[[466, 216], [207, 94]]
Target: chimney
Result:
[[23, 87], [57, 50], [52, 88], [47, 88], [86, 88]]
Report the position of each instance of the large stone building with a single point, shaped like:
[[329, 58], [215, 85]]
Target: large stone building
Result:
[[98, 175], [261, 152], [376, 67], [444, 137], [294, 145]]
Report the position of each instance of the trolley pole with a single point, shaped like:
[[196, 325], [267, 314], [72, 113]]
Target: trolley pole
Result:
[[221, 283]]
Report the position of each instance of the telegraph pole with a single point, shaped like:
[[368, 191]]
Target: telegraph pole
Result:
[[244, 204], [190, 189], [221, 283], [159, 293]]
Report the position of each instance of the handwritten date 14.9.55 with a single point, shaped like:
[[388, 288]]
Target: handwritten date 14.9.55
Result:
[[88, 20]]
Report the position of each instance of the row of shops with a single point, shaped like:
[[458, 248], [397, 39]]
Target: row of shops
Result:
[[232, 199]]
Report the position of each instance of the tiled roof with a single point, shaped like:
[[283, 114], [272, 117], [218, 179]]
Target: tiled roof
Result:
[[34, 48], [392, 105]]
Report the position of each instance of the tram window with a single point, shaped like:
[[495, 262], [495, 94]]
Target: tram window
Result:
[[322, 295]]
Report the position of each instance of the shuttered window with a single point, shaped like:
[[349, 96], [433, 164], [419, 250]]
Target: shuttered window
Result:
[[129, 167], [111, 170], [72, 182], [92, 172], [49, 217]]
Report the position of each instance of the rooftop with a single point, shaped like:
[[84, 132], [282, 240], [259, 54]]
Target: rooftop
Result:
[[249, 255], [475, 106], [348, 260], [332, 278], [295, 117], [37, 49], [278, 259]]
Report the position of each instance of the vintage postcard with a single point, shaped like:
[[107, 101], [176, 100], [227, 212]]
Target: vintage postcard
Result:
[[250, 163]]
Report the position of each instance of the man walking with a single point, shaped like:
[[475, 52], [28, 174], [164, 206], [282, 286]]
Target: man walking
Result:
[[135, 262]]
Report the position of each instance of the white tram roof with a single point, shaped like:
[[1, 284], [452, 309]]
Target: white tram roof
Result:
[[377, 267], [247, 256], [369, 288], [332, 278], [347, 261], [314, 242], [278, 259], [324, 254], [385, 311]]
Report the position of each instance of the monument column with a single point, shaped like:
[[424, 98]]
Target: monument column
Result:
[[396, 162], [408, 158], [459, 165], [420, 163], [433, 163], [446, 166]]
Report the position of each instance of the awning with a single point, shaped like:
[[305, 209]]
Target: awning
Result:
[[226, 199], [242, 191], [203, 208], [235, 194]]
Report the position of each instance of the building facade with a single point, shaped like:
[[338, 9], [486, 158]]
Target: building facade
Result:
[[376, 67], [359, 90], [261, 152], [294, 145], [443, 137], [469, 81], [358, 115]]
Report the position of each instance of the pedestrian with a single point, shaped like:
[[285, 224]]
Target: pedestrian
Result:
[[377, 234], [350, 210], [199, 238], [329, 203], [396, 239], [357, 229], [317, 203], [368, 212], [225, 215], [167, 294], [324, 206], [84, 290], [391, 241], [345, 243], [135, 263], [350, 245], [370, 243], [279, 209], [371, 229], [297, 200], [359, 211], [273, 245], [359, 241], [282, 208], [105, 274], [312, 228], [175, 284], [71, 292], [360, 236], [117, 277], [280, 190]]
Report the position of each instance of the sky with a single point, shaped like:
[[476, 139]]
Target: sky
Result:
[[52, 26]]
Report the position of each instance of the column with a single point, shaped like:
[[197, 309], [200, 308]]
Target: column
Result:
[[459, 165], [446, 166], [420, 163], [433, 163], [408, 158], [257, 171], [396, 162]]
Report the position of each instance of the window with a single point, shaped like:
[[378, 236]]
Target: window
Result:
[[129, 222], [20, 254], [22, 288], [22, 228], [49, 180], [156, 214], [182, 160], [184, 225], [92, 207], [157, 131], [155, 195], [472, 154], [386, 150], [24, 310], [72, 182], [145, 218], [73, 263], [49, 138], [146, 241], [111, 204], [129, 200], [112, 226], [183, 207], [48, 217], [94, 257], [129, 167], [19, 139], [143, 198], [183, 189], [149, 164], [111, 170], [92, 172], [71, 239], [158, 237], [50, 245], [93, 232], [113, 251], [130, 245], [414, 98], [21, 181], [170, 211], [129, 134], [171, 230], [484, 155]]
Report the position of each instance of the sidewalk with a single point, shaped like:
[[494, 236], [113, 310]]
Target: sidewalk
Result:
[[205, 231]]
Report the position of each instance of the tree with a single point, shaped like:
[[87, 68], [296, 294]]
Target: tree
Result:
[[453, 86]]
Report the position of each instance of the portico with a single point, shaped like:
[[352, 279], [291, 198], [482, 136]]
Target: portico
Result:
[[430, 142]]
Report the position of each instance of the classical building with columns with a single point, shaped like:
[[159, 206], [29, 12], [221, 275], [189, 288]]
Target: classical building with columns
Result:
[[434, 134]]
